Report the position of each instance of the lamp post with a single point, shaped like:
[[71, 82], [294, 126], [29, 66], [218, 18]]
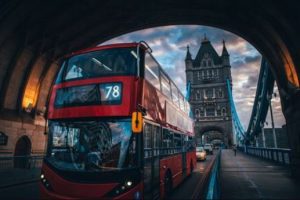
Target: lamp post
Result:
[[263, 134], [269, 96]]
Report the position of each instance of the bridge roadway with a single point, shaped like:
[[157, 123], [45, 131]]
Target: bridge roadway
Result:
[[186, 190], [248, 177]]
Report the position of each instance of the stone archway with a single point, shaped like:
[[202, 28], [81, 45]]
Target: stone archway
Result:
[[22, 151], [213, 132], [212, 135]]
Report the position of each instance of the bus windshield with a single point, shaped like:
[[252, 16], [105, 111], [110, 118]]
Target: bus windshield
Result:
[[91, 145], [108, 62]]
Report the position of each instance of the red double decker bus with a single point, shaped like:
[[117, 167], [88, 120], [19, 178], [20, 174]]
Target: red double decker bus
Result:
[[119, 128]]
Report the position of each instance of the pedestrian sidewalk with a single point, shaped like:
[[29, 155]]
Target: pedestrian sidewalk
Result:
[[15, 176], [247, 177]]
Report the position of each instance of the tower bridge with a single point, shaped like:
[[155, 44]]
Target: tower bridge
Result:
[[35, 36]]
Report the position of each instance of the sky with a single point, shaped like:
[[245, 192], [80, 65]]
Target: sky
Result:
[[169, 45]]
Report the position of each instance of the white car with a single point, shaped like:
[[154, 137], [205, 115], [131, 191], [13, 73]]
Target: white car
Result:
[[208, 148], [200, 153]]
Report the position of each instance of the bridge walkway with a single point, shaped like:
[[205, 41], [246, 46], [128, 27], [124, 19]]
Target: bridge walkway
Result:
[[247, 177]]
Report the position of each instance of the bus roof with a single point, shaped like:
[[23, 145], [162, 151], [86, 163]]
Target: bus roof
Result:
[[108, 46]]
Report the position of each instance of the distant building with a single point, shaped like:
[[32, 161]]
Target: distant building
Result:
[[207, 74]]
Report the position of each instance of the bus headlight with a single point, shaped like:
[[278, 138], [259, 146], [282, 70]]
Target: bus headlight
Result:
[[128, 183], [121, 188], [45, 182]]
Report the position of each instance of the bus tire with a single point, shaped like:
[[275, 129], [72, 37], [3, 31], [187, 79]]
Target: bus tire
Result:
[[168, 185]]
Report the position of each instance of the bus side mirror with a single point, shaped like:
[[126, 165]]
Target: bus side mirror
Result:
[[137, 122]]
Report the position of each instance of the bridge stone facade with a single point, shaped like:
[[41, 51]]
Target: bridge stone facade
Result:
[[207, 75]]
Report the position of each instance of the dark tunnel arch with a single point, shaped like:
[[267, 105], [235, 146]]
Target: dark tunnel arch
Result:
[[40, 36], [47, 30]]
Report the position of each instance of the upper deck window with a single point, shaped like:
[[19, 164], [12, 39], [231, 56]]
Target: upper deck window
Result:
[[165, 85], [108, 62], [152, 71]]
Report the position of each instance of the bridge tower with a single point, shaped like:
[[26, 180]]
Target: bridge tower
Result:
[[207, 75]]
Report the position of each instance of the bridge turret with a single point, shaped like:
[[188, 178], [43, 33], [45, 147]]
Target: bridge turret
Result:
[[225, 55], [189, 66], [226, 63]]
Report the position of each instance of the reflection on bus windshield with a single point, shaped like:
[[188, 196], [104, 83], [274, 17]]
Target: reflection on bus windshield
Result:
[[92, 145], [120, 61]]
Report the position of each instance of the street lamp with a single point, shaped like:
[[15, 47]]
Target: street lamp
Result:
[[263, 134], [269, 97]]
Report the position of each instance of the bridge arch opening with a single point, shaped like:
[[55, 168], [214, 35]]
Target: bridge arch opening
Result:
[[272, 33]]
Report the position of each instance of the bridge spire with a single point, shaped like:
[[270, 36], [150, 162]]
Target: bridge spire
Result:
[[224, 51], [188, 54]]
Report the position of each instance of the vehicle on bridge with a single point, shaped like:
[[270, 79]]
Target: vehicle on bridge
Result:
[[200, 153], [208, 148], [118, 127]]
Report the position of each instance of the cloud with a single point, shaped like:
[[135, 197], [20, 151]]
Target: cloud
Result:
[[169, 48]]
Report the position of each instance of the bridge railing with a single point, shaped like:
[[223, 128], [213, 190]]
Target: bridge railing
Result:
[[24, 162], [282, 156], [16, 170], [214, 184]]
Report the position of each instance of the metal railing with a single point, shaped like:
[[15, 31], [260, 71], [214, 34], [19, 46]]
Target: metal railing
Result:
[[23, 162], [214, 185], [209, 185], [282, 156]]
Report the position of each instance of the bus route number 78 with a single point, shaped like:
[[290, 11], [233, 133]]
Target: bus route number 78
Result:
[[111, 91]]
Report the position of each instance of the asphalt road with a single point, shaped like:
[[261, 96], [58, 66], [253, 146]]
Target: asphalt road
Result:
[[187, 188], [184, 191]]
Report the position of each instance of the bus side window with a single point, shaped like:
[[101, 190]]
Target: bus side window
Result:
[[165, 141], [177, 142], [156, 139], [147, 140]]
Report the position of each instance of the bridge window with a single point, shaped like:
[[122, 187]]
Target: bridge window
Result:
[[197, 113], [197, 95], [209, 73], [224, 111], [201, 112], [218, 111], [210, 112], [198, 75], [209, 63], [209, 93], [220, 93], [152, 71]]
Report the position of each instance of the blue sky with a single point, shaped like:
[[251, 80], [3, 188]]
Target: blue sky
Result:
[[169, 48]]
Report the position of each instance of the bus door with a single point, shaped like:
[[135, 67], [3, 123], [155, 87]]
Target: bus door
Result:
[[151, 161]]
